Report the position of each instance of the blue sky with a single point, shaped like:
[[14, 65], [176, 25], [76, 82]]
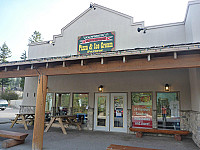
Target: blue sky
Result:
[[20, 18]]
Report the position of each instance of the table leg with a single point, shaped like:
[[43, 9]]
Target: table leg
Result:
[[24, 122], [50, 124], [62, 126], [14, 121]]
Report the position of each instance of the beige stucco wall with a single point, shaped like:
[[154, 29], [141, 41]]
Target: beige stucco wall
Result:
[[192, 22], [103, 20], [194, 74], [138, 81]]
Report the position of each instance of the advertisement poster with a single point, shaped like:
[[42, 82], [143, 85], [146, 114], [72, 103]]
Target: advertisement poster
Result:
[[142, 110], [118, 106], [96, 43]]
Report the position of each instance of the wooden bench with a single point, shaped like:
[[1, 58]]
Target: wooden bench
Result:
[[15, 138], [122, 147], [177, 133]]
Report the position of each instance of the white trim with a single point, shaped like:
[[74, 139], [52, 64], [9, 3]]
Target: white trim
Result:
[[188, 6]]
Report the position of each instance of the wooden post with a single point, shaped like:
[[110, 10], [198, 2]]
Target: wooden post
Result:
[[38, 132]]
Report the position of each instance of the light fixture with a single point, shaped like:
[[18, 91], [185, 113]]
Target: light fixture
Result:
[[100, 88], [166, 87], [140, 29], [92, 6], [51, 42]]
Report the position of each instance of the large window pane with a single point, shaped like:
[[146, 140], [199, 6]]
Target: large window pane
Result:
[[62, 103], [101, 112], [80, 106], [49, 99], [142, 110], [168, 110]]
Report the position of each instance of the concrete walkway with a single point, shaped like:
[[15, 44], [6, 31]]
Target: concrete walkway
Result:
[[93, 140]]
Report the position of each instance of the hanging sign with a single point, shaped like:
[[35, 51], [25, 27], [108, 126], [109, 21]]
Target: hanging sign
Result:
[[96, 43]]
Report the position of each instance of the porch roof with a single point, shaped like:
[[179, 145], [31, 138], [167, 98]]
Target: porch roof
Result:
[[136, 59]]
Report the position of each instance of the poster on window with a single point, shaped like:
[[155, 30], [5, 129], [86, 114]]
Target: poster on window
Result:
[[142, 110]]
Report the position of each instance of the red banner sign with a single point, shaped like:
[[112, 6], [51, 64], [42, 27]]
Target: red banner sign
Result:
[[142, 116]]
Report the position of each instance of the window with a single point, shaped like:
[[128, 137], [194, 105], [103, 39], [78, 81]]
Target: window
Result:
[[49, 99], [80, 106], [62, 103], [168, 116], [142, 109]]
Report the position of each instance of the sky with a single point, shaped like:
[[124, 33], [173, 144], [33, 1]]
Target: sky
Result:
[[20, 18]]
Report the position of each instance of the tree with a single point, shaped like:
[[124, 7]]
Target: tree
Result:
[[4, 53], [4, 82], [23, 56], [22, 81], [9, 95], [36, 37]]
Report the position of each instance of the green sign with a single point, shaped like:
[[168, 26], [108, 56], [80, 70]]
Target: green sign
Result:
[[96, 43]]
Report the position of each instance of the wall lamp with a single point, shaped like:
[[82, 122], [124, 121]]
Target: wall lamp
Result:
[[51, 42], [100, 88], [140, 29], [92, 6], [166, 87]]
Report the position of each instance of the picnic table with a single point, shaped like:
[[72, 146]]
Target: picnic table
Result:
[[64, 122], [23, 118]]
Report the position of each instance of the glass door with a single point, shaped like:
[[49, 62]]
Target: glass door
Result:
[[118, 116], [101, 112]]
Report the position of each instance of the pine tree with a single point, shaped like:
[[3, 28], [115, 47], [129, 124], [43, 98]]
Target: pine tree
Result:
[[4, 54], [36, 37], [23, 56]]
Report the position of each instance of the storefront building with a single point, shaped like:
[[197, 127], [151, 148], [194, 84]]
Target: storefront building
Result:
[[114, 101]]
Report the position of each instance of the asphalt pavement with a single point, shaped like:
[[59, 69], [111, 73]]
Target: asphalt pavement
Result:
[[54, 139]]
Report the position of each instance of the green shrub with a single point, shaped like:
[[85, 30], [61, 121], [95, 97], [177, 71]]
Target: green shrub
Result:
[[9, 96]]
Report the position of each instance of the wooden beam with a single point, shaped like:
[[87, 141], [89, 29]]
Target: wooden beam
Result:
[[11, 142], [37, 142], [102, 61], [64, 64], [82, 62], [149, 57], [158, 63], [124, 59], [31, 67], [175, 55], [47, 65]]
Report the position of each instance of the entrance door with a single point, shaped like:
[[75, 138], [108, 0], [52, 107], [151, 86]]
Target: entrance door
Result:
[[110, 112], [118, 112], [101, 113]]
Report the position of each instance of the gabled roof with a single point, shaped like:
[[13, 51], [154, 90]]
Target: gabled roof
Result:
[[120, 14], [86, 11]]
